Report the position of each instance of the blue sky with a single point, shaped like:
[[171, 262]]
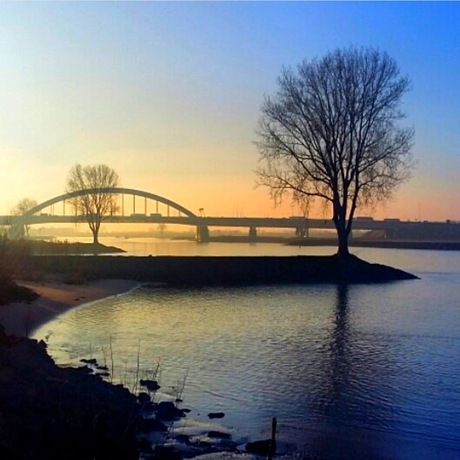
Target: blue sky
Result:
[[169, 93]]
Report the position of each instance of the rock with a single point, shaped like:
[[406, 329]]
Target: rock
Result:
[[167, 411], [148, 407], [266, 447], [216, 415], [88, 361], [143, 397], [166, 453], [219, 435], [151, 385], [259, 447], [184, 438], [145, 446], [151, 424]]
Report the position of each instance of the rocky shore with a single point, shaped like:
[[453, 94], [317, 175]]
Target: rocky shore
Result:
[[49, 412]]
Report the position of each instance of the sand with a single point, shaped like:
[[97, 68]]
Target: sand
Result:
[[22, 319]]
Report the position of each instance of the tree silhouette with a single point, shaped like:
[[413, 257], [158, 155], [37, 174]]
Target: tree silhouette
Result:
[[26, 204], [331, 132], [97, 204]]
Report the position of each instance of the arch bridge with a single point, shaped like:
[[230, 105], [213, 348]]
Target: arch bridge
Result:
[[127, 211]]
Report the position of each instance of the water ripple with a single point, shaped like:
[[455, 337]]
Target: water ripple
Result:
[[371, 368]]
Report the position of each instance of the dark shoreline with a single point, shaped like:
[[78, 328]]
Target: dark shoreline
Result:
[[439, 245], [50, 412], [384, 244], [219, 271]]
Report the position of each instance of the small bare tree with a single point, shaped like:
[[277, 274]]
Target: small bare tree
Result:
[[26, 204], [331, 132], [97, 203]]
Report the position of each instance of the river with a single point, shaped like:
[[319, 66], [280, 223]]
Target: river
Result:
[[369, 371]]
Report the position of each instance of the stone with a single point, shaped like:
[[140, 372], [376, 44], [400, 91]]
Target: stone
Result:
[[219, 435], [167, 411], [151, 385], [216, 415], [151, 424]]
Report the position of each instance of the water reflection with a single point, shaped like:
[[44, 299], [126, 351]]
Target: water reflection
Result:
[[343, 410]]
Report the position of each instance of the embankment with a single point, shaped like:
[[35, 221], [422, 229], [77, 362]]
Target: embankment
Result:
[[222, 271]]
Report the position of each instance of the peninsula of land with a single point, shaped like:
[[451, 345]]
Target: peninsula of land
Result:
[[219, 271]]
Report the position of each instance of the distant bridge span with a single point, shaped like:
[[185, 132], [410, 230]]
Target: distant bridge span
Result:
[[301, 225]]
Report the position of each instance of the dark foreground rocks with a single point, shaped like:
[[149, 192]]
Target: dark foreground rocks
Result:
[[49, 412], [222, 271]]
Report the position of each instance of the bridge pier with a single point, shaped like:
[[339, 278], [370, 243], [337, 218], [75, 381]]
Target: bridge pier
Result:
[[202, 233], [252, 233], [301, 232]]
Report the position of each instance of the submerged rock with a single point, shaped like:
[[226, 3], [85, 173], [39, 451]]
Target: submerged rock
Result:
[[216, 415], [267, 447], [151, 385], [259, 447], [219, 435], [151, 424], [167, 411]]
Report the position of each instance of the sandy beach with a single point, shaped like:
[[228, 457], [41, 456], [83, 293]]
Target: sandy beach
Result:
[[22, 319]]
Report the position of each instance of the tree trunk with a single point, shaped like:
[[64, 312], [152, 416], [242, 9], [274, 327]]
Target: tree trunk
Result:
[[342, 236], [95, 235], [343, 244]]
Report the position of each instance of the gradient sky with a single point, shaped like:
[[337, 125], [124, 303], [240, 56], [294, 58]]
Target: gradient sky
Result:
[[169, 94]]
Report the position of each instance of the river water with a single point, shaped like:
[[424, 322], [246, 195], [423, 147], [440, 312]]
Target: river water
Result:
[[358, 372]]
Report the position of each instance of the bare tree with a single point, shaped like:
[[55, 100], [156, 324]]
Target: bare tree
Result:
[[162, 228], [331, 132], [26, 204], [97, 203]]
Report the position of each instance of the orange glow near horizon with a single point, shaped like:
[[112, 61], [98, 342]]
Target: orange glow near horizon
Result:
[[240, 199]]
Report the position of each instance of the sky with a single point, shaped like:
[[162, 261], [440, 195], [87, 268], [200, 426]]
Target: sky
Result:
[[169, 95]]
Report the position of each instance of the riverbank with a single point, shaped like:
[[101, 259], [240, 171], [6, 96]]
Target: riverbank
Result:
[[56, 297]]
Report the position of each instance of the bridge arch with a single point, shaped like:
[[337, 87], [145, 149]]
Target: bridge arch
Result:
[[109, 190]]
